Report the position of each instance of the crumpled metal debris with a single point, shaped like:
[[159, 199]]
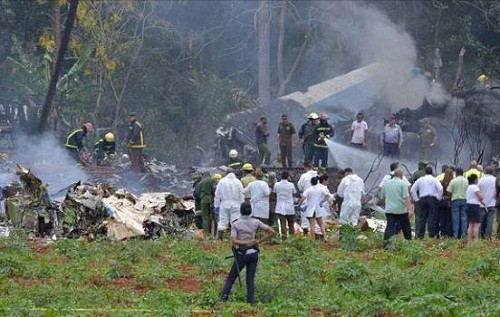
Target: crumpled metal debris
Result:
[[96, 209]]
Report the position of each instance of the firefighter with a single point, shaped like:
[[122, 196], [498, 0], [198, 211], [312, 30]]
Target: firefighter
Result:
[[234, 161], [136, 143], [324, 131], [74, 140], [105, 149], [307, 134], [247, 177]]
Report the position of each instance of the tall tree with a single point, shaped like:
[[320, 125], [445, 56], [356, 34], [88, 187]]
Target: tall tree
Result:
[[264, 25], [47, 106]]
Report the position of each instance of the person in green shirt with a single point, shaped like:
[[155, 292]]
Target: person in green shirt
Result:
[[458, 188], [206, 186], [398, 206]]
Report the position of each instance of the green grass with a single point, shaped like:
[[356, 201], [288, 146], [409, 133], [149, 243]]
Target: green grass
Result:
[[294, 278]]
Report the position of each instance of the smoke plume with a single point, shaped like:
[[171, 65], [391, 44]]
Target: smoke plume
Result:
[[369, 36]]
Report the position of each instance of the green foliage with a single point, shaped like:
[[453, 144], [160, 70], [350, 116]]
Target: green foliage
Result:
[[296, 277]]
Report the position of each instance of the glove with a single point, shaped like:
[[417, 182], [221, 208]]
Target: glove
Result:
[[216, 211], [321, 204], [303, 208]]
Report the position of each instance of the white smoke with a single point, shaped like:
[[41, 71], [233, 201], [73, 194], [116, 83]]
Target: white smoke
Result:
[[49, 161], [370, 36]]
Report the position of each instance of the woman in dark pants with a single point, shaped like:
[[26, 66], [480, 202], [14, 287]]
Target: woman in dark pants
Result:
[[246, 250]]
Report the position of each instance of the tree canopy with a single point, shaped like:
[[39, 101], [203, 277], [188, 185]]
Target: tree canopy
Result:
[[184, 65]]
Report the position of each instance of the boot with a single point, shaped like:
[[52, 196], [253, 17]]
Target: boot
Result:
[[219, 235]]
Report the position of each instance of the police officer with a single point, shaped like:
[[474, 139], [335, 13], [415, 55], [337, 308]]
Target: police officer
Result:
[[246, 250]]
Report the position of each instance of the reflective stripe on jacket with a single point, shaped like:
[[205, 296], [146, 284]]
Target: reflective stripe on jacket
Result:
[[74, 140], [136, 136]]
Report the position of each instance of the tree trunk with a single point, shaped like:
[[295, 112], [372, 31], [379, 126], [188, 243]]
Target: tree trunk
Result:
[[264, 21], [47, 105], [56, 31]]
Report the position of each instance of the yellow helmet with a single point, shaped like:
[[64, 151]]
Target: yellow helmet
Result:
[[247, 167], [313, 115], [109, 137], [482, 78], [217, 177]]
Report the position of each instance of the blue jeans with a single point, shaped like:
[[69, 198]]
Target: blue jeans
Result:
[[487, 223], [321, 154], [459, 218], [242, 260]]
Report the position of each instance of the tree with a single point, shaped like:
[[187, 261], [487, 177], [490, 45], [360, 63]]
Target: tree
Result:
[[47, 106]]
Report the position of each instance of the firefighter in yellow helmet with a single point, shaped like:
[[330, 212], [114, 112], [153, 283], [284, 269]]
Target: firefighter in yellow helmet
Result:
[[74, 140], [136, 143], [484, 80], [247, 177], [105, 149]]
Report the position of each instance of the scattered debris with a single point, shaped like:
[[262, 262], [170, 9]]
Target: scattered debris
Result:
[[93, 210]]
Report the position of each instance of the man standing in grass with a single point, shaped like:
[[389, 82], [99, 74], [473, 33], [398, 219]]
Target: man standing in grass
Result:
[[398, 206]]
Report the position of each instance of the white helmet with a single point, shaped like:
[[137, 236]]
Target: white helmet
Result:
[[233, 153]]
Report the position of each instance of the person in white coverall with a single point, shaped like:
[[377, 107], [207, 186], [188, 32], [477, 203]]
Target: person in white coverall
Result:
[[303, 184], [351, 189], [227, 201], [259, 197]]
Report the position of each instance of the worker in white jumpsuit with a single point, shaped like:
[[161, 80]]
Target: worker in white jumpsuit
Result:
[[227, 201], [259, 197], [351, 189]]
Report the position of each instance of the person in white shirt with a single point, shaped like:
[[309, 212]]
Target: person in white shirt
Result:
[[315, 197], [325, 209], [227, 200], [259, 197], [284, 203], [389, 176], [359, 131], [487, 186], [476, 207], [428, 191], [303, 184], [351, 189]]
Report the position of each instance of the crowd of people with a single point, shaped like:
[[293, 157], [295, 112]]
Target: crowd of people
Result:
[[455, 204], [314, 133], [276, 200]]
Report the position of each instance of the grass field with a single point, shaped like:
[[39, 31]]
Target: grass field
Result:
[[294, 278]]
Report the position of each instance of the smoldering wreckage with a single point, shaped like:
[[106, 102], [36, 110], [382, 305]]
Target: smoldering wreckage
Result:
[[93, 210]]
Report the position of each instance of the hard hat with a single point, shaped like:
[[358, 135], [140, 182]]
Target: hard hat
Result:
[[89, 127], [324, 116], [313, 115], [233, 153], [217, 177], [247, 167], [109, 137], [482, 78]]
